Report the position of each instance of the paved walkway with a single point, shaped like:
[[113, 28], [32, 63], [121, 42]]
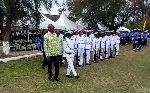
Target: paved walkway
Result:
[[17, 53]]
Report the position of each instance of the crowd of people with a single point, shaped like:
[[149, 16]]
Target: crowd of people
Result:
[[60, 46]]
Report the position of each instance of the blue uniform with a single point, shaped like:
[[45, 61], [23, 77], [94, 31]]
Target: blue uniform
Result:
[[135, 45], [144, 39], [139, 40], [121, 38]]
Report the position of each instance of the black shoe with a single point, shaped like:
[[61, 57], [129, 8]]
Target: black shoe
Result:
[[69, 76], [57, 79], [51, 79], [77, 65], [77, 77], [95, 62], [110, 57], [87, 64], [101, 59], [43, 66]]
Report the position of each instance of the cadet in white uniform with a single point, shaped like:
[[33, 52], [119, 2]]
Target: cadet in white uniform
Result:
[[80, 48], [107, 44], [117, 42], [92, 37], [87, 48], [70, 54], [62, 34], [112, 42], [102, 46], [95, 44]]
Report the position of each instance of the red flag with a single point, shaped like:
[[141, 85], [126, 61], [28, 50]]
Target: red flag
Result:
[[145, 24]]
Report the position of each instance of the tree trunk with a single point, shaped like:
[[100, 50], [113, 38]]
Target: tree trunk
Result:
[[6, 36], [1, 21]]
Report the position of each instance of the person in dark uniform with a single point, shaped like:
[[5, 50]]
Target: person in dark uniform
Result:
[[41, 48]]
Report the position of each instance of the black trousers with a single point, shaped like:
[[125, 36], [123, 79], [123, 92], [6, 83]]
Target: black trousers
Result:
[[45, 59], [54, 59], [60, 60]]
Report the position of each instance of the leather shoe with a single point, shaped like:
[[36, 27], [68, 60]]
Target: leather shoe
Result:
[[87, 64], [57, 79], [101, 59], [69, 76], [51, 79], [77, 77]]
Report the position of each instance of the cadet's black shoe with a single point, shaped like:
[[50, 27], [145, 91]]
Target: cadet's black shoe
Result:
[[110, 57], [101, 59], [57, 79], [51, 79], [95, 61], [69, 76], [87, 64], [77, 65], [77, 77]]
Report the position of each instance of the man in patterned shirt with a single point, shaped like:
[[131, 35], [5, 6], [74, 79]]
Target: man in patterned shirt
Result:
[[51, 51]]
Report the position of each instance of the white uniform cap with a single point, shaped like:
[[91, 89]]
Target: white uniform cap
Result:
[[118, 32], [80, 30], [112, 31], [96, 33], [107, 31], [146, 31], [88, 31], [69, 32]]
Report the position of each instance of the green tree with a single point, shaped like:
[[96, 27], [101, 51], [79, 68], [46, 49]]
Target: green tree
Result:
[[25, 10], [112, 13], [138, 24]]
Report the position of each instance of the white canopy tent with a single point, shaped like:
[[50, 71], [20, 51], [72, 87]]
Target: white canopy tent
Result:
[[47, 21], [68, 24], [122, 29]]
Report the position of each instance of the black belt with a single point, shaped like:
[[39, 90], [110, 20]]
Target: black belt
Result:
[[69, 53]]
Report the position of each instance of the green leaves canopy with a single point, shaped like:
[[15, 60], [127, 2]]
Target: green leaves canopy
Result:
[[112, 13]]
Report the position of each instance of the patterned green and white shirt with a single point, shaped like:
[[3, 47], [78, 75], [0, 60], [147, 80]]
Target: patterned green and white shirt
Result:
[[59, 45], [50, 44]]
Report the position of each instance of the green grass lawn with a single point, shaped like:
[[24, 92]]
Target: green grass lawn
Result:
[[128, 73]]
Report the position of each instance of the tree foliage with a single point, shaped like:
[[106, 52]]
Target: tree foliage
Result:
[[112, 13], [138, 24], [23, 10]]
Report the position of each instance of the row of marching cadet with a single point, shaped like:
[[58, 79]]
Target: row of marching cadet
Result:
[[102, 44]]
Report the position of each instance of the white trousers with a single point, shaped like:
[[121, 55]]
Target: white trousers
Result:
[[87, 56], [95, 54], [101, 53], [117, 49], [111, 48], [80, 55], [70, 68], [106, 51]]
